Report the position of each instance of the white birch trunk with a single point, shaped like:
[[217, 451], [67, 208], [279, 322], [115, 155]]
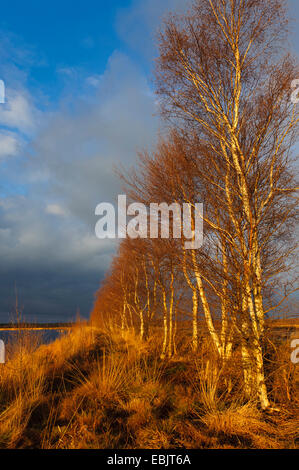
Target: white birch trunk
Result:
[[195, 320]]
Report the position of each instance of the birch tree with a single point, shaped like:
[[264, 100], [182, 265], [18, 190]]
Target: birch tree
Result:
[[224, 78]]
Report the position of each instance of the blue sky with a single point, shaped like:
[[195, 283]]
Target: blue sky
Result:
[[63, 35], [60, 41], [79, 102]]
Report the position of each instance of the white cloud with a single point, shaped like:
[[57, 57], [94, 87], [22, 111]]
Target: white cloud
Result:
[[55, 209], [94, 80], [137, 24], [17, 112], [9, 144]]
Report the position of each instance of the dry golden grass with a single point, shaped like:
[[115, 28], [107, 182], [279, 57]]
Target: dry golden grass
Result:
[[104, 389], [243, 423]]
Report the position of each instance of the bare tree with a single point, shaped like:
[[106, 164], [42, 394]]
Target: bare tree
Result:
[[222, 77]]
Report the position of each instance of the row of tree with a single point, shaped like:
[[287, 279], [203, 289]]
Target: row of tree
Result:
[[224, 84]]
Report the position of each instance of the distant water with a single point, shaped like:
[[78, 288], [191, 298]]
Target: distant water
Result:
[[44, 336]]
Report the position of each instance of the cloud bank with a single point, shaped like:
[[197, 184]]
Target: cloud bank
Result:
[[58, 162], [48, 246]]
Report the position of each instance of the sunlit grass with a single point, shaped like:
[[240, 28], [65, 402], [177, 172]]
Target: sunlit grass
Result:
[[103, 389]]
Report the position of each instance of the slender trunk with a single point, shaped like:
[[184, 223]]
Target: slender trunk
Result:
[[131, 317], [195, 320], [148, 307], [225, 335], [123, 319], [141, 325], [247, 370], [247, 364], [165, 325], [257, 291], [256, 374], [170, 341], [260, 376], [175, 330], [205, 305], [194, 302]]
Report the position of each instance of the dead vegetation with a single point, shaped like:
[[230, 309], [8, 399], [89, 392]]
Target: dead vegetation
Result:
[[100, 389]]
